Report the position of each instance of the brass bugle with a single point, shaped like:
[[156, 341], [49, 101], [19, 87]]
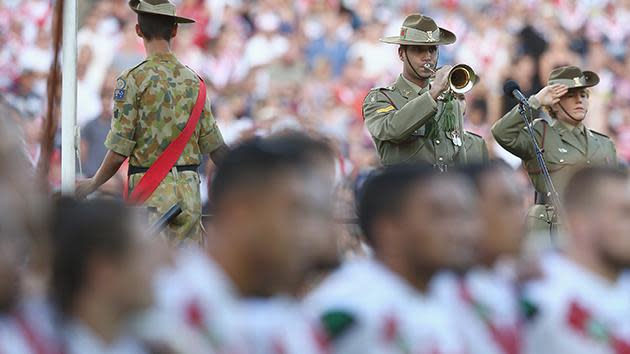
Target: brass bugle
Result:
[[461, 78]]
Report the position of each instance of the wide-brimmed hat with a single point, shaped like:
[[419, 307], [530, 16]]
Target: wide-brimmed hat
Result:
[[421, 30], [573, 77], [158, 7]]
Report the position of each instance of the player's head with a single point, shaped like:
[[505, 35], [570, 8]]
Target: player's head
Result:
[[597, 205], [419, 216], [100, 254], [501, 207], [271, 204]]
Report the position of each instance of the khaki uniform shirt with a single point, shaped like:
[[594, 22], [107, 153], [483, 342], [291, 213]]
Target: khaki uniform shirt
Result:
[[564, 151], [399, 117], [152, 104]]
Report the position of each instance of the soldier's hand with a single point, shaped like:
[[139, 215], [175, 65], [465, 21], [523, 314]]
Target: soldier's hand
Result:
[[84, 188], [440, 82], [551, 94]]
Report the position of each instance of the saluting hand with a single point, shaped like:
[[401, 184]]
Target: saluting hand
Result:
[[550, 95], [440, 82]]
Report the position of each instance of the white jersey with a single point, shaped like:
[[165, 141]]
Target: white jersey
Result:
[[280, 326], [577, 311], [196, 307], [485, 304], [79, 339], [369, 309], [29, 331]]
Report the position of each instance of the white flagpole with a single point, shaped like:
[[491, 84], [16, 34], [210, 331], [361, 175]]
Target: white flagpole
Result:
[[69, 97]]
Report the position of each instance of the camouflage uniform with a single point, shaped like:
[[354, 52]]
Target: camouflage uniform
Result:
[[152, 103]]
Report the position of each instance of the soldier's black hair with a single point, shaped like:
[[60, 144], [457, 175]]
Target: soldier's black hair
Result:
[[255, 162], [581, 190], [156, 26], [81, 231], [476, 172], [385, 192]]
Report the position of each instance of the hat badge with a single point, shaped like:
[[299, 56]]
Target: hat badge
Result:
[[577, 80], [403, 33], [430, 36]]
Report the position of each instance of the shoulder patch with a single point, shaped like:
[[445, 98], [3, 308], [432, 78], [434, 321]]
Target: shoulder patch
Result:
[[598, 133], [119, 94], [337, 323]]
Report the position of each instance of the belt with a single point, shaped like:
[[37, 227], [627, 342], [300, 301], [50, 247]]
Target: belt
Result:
[[541, 199], [135, 169]]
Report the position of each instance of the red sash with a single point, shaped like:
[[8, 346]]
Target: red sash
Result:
[[165, 162], [583, 321]]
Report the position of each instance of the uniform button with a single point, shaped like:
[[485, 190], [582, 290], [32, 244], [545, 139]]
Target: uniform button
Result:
[[437, 141], [561, 160], [588, 162], [440, 159]]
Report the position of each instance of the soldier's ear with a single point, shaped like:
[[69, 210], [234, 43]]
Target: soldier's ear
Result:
[[401, 51], [174, 31], [139, 31]]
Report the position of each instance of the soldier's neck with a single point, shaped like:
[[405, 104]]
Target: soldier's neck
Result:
[[157, 46], [412, 78], [418, 280]]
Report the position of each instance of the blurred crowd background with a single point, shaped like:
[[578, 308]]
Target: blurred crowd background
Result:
[[308, 64]]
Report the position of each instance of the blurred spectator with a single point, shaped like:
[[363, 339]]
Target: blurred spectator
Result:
[[93, 135]]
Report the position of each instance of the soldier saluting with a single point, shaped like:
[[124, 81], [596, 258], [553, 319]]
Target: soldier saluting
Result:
[[162, 122], [410, 120], [567, 144]]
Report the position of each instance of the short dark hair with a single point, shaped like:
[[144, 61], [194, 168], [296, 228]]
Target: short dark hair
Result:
[[156, 26], [80, 231], [581, 190], [257, 161], [385, 192], [476, 172]]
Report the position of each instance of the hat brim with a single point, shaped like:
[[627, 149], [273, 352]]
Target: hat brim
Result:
[[178, 19], [590, 79], [446, 37]]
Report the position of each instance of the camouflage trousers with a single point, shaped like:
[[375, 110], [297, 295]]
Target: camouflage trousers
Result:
[[177, 188]]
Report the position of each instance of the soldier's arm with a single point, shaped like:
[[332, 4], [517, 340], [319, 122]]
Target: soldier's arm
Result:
[[388, 123], [210, 138], [119, 140], [510, 132]]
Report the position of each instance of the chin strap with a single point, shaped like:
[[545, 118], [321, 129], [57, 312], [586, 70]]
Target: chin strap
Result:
[[570, 116], [409, 62]]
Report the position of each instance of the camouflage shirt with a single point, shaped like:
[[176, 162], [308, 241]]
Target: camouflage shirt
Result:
[[152, 103]]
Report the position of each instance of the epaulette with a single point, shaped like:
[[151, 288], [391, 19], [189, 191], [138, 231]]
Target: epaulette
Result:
[[598, 133], [473, 134], [128, 71]]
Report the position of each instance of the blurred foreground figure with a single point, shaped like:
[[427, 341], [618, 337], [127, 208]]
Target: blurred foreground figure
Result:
[[25, 326], [382, 305], [271, 204], [154, 102], [102, 267], [581, 306], [484, 300]]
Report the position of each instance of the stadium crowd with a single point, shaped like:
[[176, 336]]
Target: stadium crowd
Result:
[[274, 64]]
